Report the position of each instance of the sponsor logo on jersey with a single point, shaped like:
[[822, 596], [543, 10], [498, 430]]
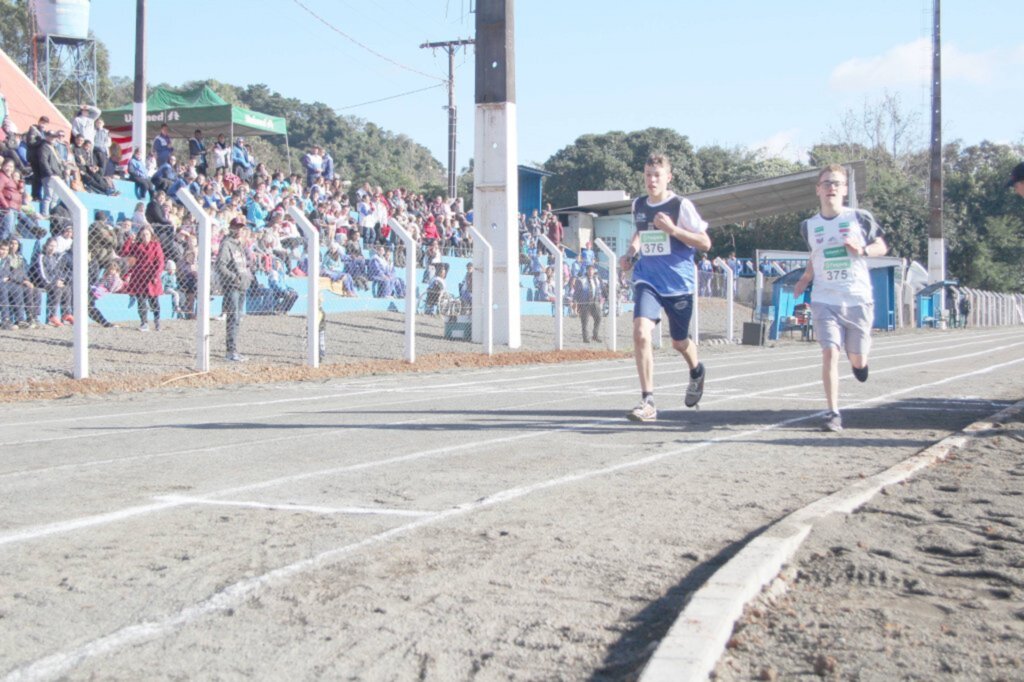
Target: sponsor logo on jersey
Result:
[[819, 228]]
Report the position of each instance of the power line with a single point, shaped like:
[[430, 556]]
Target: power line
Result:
[[384, 99], [368, 49]]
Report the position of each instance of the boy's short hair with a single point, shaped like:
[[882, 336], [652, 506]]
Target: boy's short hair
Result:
[[658, 159], [832, 168]]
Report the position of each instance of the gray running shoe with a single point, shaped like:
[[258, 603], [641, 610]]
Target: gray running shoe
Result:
[[695, 389], [833, 422], [235, 357], [644, 412]]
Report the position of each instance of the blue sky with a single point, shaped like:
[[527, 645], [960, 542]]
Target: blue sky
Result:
[[775, 75]]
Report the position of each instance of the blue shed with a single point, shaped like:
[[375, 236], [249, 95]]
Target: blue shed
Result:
[[930, 303], [883, 284], [531, 188]]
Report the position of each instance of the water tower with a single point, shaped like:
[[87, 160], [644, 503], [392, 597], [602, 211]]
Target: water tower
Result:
[[63, 55]]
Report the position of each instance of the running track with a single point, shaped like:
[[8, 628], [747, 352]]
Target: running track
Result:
[[492, 523]]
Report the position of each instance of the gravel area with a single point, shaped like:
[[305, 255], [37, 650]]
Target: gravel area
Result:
[[925, 582]]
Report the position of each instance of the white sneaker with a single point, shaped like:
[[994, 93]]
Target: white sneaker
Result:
[[143, 327], [645, 411]]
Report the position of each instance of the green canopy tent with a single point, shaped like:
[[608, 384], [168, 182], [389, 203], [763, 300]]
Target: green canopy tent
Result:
[[185, 111]]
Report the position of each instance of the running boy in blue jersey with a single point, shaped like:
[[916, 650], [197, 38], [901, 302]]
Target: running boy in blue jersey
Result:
[[842, 303], [669, 232]]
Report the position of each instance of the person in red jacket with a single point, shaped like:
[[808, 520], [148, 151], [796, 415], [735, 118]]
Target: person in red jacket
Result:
[[14, 221], [143, 279]]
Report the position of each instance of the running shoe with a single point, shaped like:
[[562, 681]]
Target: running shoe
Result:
[[833, 422], [695, 389], [644, 412], [143, 327]]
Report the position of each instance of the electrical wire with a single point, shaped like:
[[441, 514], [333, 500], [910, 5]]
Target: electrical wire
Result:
[[384, 99], [368, 49]]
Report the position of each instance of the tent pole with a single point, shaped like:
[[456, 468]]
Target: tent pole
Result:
[[288, 151]]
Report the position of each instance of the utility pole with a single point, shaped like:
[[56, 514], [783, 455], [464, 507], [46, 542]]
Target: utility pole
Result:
[[495, 175], [936, 240], [450, 46], [139, 99]]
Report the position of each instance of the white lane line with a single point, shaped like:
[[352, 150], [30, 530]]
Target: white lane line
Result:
[[101, 519], [885, 370], [715, 377], [264, 441], [35, 532], [60, 663], [286, 506]]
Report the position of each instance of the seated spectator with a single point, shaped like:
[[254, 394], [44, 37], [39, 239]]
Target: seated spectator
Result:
[[12, 199], [382, 273], [166, 178], [466, 290], [435, 288], [333, 266], [51, 272], [19, 297], [138, 174], [110, 282]]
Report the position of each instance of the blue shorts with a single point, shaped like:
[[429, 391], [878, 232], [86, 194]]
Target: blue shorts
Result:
[[648, 303]]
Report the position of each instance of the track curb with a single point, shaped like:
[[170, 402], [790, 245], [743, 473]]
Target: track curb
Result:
[[697, 639]]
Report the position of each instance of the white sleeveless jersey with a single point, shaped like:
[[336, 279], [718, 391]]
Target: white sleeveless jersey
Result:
[[839, 277]]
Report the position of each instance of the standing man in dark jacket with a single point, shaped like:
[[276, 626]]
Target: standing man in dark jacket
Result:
[[50, 166], [235, 278], [34, 139]]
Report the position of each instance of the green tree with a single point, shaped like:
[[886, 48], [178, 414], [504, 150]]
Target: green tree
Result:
[[983, 222], [614, 161]]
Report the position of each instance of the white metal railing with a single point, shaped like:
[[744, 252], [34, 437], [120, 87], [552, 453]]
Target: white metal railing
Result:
[[487, 337], [203, 276], [313, 284], [559, 291], [612, 333], [410, 289], [79, 272]]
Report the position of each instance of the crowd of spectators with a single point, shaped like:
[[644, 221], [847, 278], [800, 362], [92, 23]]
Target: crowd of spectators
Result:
[[360, 251]]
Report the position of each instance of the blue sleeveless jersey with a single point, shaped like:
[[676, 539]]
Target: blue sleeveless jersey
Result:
[[675, 273]]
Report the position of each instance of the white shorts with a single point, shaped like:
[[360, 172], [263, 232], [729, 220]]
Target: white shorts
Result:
[[844, 325]]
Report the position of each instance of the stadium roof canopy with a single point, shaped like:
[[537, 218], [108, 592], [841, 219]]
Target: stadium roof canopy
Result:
[[748, 201]]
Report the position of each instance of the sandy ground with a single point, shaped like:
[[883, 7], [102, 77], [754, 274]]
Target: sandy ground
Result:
[[926, 582]]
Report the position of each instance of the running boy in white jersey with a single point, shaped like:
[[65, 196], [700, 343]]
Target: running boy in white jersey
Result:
[[842, 306], [669, 232]]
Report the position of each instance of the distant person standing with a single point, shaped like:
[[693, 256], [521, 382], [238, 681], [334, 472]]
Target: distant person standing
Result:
[[34, 140], [235, 278], [588, 295], [84, 123], [197, 151], [669, 232], [163, 146], [842, 305]]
